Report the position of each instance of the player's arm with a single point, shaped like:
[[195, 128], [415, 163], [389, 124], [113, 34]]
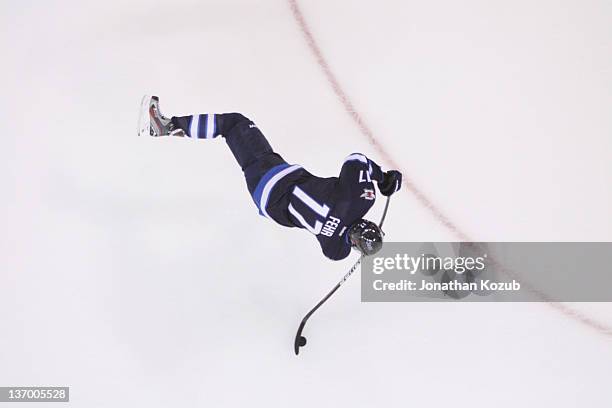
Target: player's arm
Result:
[[357, 168]]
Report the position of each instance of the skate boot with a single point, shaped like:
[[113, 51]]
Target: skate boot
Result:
[[151, 121]]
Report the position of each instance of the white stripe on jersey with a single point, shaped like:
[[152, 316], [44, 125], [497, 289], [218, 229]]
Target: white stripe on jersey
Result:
[[265, 194], [195, 124], [357, 156], [210, 126]]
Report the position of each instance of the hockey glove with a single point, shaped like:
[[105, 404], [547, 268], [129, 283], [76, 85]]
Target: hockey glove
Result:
[[391, 182]]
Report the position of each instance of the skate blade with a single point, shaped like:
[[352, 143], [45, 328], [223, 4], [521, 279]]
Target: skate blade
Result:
[[144, 119]]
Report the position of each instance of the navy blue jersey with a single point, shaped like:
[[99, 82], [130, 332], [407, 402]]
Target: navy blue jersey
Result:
[[326, 207], [288, 194]]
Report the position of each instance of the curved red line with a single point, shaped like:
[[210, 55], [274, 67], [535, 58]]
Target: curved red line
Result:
[[407, 182], [364, 128]]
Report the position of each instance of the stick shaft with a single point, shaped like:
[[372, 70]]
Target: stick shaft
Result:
[[298, 335], [382, 219]]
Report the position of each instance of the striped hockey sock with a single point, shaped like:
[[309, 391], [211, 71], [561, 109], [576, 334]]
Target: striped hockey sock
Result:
[[203, 126]]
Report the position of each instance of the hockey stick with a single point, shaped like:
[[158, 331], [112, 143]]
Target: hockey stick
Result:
[[300, 341]]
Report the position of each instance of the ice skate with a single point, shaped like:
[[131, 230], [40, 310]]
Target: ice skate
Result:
[[151, 122]]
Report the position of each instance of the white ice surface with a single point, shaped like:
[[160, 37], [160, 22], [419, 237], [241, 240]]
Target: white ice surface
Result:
[[138, 272]]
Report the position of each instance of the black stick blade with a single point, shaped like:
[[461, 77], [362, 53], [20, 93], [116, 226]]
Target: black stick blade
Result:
[[300, 341]]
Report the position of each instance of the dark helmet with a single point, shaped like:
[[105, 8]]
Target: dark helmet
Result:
[[366, 237]]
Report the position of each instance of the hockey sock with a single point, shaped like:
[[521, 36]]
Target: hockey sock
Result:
[[203, 126]]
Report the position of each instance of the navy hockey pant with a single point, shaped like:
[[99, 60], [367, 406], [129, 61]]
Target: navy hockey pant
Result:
[[249, 146]]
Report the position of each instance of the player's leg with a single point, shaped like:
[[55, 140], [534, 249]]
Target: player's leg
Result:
[[248, 145]]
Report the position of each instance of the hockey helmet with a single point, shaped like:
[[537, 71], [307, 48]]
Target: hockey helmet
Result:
[[366, 237]]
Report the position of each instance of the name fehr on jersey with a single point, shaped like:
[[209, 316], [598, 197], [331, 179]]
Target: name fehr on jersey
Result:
[[327, 207]]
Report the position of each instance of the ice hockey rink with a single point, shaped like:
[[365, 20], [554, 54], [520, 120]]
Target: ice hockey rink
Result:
[[138, 272]]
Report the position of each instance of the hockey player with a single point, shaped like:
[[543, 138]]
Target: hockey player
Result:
[[330, 208]]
